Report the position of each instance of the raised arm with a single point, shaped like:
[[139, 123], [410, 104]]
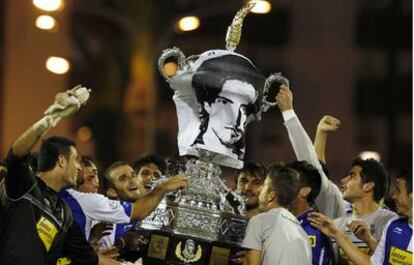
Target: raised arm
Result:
[[326, 125], [20, 177], [145, 205], [329, 200], [66, 104]]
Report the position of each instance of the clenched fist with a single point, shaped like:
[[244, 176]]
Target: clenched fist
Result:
[[329, 124], [284, 98]]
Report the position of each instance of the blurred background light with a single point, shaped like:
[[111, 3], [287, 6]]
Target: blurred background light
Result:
[[370, 154], [45, 22], [48, 5], [261, 7], [188, 23], [84, 134], [57, 65]]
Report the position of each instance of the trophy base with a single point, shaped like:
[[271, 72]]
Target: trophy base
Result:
[[169, 248]]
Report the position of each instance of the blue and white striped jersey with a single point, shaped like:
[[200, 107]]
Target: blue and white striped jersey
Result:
[[320, 244], [89, 207]]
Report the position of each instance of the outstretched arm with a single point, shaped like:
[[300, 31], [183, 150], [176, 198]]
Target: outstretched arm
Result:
[[329, 200], [19, 178], [328, 227], [326, 124], [145, 205]]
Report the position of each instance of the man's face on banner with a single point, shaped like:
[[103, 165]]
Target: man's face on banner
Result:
[[216, 94], [227, 113]]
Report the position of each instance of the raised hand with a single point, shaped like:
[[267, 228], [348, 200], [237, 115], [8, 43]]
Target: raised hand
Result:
[[329, 124], [67, 103], [284, 98]]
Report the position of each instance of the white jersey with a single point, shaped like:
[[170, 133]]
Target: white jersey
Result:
[[329, 200], [396, 244], [90, 207], [377, 222], [280, 238]]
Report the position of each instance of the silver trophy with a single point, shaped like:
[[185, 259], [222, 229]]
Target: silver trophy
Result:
[[216, 93]]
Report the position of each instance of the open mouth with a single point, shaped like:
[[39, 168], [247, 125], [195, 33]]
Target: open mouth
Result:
[[133, 189]]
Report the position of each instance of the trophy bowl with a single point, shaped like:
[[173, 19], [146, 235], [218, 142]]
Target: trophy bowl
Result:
[[216, 94]]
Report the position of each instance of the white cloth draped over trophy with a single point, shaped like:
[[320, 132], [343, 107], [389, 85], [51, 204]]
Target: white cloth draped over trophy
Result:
[[217, 93]]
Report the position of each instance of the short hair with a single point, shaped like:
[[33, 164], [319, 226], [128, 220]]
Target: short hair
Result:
[[208, 84], [87, 161], [374, 171], [285, 182], [308, 177], [107, 181], [50, 150], [158, 160], [256, 169], [406, 174]]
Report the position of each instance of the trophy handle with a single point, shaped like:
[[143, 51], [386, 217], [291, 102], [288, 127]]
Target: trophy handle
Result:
[[268, 100], [166, 54]]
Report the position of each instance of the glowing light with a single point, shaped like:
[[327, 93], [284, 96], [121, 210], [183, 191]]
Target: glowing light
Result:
[[170, 68], [45, 22], [261, 7], [370, 154], [57, 65], [188, 23], [48, 5], [84, 134]]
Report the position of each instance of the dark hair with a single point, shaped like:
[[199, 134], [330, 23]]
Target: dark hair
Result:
[[285, 182], [308, 177], [50, 150], [406, 174], [213, 73], [106, 180], [374, 171], [255, 169], [87, 161], [159, 161]]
